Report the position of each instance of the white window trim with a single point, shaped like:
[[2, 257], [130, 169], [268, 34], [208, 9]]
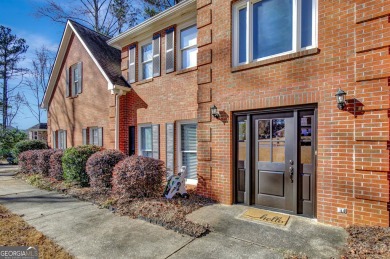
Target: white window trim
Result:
[[178, 147], [139, 137], [249, 21], [178, 45], [140, 63]]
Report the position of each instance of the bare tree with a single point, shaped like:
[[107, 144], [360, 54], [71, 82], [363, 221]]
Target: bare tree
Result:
[[40, 72], [153, 7], [12, 49], [103, 16], [16, 102]]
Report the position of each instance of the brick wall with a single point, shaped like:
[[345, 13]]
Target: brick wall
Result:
[[353, 53], [165, 99], [95, 106]]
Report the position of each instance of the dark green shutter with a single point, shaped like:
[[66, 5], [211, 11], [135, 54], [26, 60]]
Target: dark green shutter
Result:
[[170, 138]]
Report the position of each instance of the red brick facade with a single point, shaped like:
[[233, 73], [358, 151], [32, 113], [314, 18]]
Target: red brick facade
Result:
[[353, 54], [94, 107]]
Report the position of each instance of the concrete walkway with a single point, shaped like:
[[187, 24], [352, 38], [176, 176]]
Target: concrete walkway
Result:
[[86, 231]]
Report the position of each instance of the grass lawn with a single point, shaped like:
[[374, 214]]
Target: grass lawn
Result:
[[14, 231]]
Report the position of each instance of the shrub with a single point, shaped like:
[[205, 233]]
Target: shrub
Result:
[[138, 176], [43, 161], [74, 161], [8, 139], [99, 168], [26, 145], [55, 168], [28, 161]]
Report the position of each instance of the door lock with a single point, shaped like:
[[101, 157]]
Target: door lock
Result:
[[291, 174]]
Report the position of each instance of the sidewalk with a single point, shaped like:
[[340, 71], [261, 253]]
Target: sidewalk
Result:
[[86, 231]]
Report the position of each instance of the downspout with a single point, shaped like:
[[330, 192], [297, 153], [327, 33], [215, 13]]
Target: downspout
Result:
[[117, 121]]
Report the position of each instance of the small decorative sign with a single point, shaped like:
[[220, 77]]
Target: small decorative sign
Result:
[[266, 216]]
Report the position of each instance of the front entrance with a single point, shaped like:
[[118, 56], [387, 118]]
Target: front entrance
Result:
[[275, 159]]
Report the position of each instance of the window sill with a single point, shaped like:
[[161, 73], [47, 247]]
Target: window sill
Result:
[[274, 60], [145, 81], [187, 70]]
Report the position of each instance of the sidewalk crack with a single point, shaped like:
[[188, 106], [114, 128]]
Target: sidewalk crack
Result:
[[180, 248]]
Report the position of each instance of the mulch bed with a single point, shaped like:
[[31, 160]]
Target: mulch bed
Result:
[[368, 242], [170, 214]]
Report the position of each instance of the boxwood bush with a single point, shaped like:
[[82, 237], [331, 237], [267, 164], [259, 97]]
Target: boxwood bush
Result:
[[99, 168], [26, 145], [55, 165], [138, 176], [74, 161]]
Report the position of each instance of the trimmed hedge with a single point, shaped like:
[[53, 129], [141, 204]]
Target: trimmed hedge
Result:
[[28, 161], [100, 166], [55, 165], [43, 161], [138, 176], [26, 145], [74, 161]]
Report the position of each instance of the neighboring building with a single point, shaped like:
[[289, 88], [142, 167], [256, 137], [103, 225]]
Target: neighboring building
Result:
[[82, 90], [254, 117], [38, 132], [158, 118]]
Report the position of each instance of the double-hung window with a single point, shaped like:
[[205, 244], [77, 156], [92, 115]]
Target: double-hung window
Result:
[[146, 141], [188, 149], [74, 76], [147, 61], [267, 28], [61, 139], [188, 47]]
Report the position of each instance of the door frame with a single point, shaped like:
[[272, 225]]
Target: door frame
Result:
[[249, 195]]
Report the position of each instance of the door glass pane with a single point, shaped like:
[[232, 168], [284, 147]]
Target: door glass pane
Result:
[[307, 23], [242, 150], [242, 130], [242, 35], [188, 137], [278, 129], [264, 151], [306, 153], [146, 141], [264, 129], [190, 160], [278, 152], [272, 27]]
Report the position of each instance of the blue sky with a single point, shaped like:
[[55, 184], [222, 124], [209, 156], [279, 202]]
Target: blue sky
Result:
[[19, 16]]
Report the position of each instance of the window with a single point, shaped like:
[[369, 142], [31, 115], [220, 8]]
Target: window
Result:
[[268, 28], [93, 136], [74, 80], [146, 141], [61, 139], [188, 47], [147, 61], [188, 149]]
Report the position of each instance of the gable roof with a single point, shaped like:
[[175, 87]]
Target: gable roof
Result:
[[106, 58], [39, 126]]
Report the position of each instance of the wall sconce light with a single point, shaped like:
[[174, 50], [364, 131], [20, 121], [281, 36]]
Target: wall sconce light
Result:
[[340, 96], [214, 111]]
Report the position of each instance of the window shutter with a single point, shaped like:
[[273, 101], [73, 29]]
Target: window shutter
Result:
[[67, 94], [170, 52], [100, 138], [80, 79], [65, 138], [156, 55], [132, 64], [170, 136], [84, 136], [54, 140], [156, 141], [90, 131]]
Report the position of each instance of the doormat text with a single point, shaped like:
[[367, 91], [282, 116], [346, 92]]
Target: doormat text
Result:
[[266, 216]]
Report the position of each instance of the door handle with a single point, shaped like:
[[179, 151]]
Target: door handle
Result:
[[291, 169]]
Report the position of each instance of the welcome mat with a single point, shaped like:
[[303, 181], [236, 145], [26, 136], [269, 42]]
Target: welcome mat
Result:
[[266, 216]]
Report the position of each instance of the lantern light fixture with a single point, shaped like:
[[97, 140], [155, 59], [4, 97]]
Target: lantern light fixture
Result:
[[340, 97], [215, 112]]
